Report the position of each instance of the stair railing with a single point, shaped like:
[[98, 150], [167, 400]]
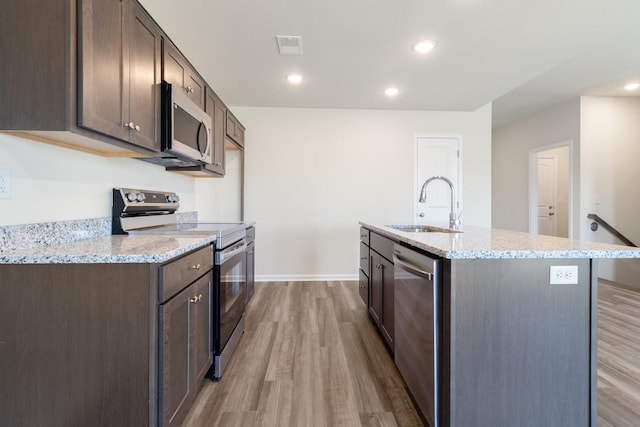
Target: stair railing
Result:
[[597, 220]]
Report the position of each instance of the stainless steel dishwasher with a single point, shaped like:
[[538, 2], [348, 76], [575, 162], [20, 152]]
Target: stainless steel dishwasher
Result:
[[417, 294]]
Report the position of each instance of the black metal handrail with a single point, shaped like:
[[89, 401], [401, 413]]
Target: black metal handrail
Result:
[[597, 220]]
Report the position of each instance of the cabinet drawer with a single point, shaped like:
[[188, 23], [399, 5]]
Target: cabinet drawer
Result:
[[181, 272], [364, 258], [382, 245], [364, 235]]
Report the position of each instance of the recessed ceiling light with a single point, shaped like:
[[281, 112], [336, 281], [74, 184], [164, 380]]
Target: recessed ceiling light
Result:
[[632, 86], [391, 91], [424, 46], [294, 78]]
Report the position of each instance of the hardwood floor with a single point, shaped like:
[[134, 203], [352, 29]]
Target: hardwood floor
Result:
[[309, 357], [618, 356]]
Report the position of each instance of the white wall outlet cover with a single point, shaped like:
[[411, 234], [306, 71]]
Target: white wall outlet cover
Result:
[[563, 275]]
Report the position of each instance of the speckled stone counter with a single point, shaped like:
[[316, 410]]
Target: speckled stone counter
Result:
[[109, 250], [89, 241], [487, 243]]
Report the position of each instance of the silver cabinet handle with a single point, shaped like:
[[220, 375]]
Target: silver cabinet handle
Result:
[[193, 300], [188, 89], [421, 214], [363, 258], [379, 266], [196, 267], [200, 297], [137, 128]]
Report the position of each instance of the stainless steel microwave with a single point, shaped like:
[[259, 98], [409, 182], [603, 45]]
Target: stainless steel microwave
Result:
[[186, 128]]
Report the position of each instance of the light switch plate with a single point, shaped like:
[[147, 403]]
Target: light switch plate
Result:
[[563, 275], [5, 184]]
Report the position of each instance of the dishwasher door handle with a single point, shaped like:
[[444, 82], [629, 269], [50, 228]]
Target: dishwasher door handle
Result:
[[412, 268]]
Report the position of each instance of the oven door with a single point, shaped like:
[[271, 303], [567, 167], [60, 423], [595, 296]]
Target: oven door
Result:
[[230, 290]]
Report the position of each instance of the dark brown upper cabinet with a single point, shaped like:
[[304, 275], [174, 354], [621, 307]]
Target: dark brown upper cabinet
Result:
[[218, 112], [235, 130], [119, 58], [177, 71]]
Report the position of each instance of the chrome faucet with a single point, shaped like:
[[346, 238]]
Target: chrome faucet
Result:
[[454, 220]]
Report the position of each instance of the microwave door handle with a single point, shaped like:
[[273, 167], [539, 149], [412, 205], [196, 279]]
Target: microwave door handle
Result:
[[207, 133]]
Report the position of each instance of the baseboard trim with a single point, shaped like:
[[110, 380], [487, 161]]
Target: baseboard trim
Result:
[[307, 278]]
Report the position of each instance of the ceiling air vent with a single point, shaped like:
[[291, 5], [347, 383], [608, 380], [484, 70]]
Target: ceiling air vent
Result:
[[289, 45]]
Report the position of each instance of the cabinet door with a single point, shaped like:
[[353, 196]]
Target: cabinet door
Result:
[[175, 375], [375, 287], [202, 334], [102, 84], [143, 41], [234, 129], [363, 288], [216, 109], [177, 71], [251, 278], [386, 323]]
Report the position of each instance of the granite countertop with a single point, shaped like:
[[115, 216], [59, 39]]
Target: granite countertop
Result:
[[109, 250], [489, 243]]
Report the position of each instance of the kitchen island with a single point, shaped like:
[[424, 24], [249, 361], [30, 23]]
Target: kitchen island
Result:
[[510, 349]]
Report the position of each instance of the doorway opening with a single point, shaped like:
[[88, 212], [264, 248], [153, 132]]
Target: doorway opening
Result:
[[551, 190]]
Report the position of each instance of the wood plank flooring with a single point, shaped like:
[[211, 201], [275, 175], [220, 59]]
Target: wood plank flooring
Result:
[[618, 356], [311, 357]]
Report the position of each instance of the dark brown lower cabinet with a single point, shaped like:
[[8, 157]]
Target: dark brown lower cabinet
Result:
[[251, 271], [99, 345], [379, 283], [185, 354], [381, 295], [363, 287]]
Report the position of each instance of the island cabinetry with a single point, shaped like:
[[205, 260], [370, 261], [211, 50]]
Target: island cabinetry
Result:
[[177, 71], [184, 332], [251, 262], [365, 271], [218, 112], [381, 298], [118, 78], [513, 343]]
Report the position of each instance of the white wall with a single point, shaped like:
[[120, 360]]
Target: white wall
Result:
[[510, 162], [219, 199], [610, 163], [50, 183], [312, 174]]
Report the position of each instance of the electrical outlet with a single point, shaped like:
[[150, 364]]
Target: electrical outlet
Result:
[[563, 275], [5, 184]]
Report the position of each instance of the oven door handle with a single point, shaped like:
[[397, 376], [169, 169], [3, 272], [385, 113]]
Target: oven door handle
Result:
[[231, 252]]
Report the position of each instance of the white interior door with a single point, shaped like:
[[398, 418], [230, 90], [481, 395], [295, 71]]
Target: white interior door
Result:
[[437, 156], [547, 196]]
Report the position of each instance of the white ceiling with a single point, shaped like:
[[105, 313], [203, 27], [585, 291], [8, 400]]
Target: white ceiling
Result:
[[522, 55]]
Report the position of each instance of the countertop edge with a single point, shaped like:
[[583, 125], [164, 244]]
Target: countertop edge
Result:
[[607, 252]]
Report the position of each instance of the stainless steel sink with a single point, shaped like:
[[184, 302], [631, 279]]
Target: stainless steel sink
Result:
[[422, 229]]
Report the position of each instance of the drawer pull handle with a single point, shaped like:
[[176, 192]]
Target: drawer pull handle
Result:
[[195, 267], [193, 300], [200, 297]]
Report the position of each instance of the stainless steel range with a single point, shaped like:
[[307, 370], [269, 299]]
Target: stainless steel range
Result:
[[143, 212]]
